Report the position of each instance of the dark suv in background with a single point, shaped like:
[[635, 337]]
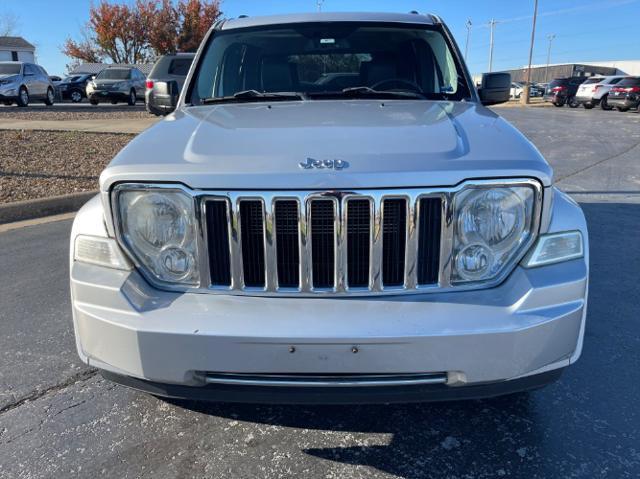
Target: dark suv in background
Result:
[[562, 91], [74, 87], [626, 94], [165, 82], [116, 84]]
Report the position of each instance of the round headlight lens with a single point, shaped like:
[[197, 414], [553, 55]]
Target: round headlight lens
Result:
[[159, 229], [474, 262], [155, 220], [496, 217]]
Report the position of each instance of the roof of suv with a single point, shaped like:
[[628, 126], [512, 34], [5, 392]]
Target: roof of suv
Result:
[[244, 22]]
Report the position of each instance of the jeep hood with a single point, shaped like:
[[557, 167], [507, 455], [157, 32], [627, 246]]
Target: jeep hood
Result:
[[387, 144]]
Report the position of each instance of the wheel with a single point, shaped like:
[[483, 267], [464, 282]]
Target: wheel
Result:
[[76, 96], [573, 103], [50, 98], [604, 103], [113, 102], [587, 106], [93, 102], [132, 98], [23, 97], [559, 104], [8, 103], [622, 108]]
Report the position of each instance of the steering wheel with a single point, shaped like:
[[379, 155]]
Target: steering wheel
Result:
[[414, 86]]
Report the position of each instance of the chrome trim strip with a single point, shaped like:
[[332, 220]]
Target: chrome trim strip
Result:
[[306, 381], [339, 198]]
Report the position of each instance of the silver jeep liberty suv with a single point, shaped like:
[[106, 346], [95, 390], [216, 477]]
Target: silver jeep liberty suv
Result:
[[330, 215]]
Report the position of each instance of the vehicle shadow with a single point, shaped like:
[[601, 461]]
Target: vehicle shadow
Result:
[[575, 424]]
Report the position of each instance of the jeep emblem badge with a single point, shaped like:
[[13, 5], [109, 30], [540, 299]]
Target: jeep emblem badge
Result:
[[323, 164]]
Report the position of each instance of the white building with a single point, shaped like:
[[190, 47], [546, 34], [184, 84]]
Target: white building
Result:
[[16, 49]]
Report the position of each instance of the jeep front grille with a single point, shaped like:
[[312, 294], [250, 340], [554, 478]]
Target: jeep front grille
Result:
[[323, 243]]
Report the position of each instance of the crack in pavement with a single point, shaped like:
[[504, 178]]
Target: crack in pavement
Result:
[[618, 155], [70, 381]]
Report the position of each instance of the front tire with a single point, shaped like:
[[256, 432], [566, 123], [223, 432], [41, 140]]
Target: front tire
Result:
[[573, 103], [622, 108], [132, 98], [76, 96], [7, 103], [23, 97], [604, 103], [587, 106], [50, 98], [559, 104], [93, 102]]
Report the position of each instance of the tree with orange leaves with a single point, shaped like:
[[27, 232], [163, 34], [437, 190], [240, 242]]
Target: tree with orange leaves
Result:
[[138, 33]]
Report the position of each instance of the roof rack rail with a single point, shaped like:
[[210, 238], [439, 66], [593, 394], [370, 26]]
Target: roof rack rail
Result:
[[243, 16], [414, 12]]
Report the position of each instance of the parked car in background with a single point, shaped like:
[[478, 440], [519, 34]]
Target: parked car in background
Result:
[[165, 82], [74, 87], [21, 82], [116, 84], [516, 90], [626, 94], [536, 90], [592, 92], [562, 91]]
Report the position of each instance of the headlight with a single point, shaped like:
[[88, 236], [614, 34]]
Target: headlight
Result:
[[491, 226], [157, 226]]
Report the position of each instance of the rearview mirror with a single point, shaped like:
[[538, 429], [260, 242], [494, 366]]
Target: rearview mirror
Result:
[[495, 88]]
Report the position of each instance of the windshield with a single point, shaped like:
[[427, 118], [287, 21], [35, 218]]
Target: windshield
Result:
[[320, 59], [9, 69], [114, 74]]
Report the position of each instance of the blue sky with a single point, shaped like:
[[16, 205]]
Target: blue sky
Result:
[[589, 30]]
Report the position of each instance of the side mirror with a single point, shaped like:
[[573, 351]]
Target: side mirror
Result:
[[495, 88]]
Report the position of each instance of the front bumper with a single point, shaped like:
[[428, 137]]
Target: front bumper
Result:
[[111, 95], [530, 324], [8, 93]]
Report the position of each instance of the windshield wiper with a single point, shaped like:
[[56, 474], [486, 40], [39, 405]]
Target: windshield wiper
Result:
[[247, 96], [367, 92]]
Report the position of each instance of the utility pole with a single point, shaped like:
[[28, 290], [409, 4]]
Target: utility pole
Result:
[[466, 45], [492, 25], [319, 3], [551, 38], [527, 86]]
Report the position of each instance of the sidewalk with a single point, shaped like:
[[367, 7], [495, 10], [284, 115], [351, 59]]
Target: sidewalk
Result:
[[94, 126]]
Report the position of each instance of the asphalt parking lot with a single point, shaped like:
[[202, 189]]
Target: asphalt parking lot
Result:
[[58, 418]]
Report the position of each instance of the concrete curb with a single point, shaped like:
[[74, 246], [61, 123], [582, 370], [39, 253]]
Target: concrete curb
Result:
[[29, 209]]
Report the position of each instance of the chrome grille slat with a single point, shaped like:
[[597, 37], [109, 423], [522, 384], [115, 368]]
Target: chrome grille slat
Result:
[[252, 233], [287, 254], [358, 238], [324, 254], [394, 234]]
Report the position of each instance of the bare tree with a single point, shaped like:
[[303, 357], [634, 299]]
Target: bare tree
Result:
[[8, 24]]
